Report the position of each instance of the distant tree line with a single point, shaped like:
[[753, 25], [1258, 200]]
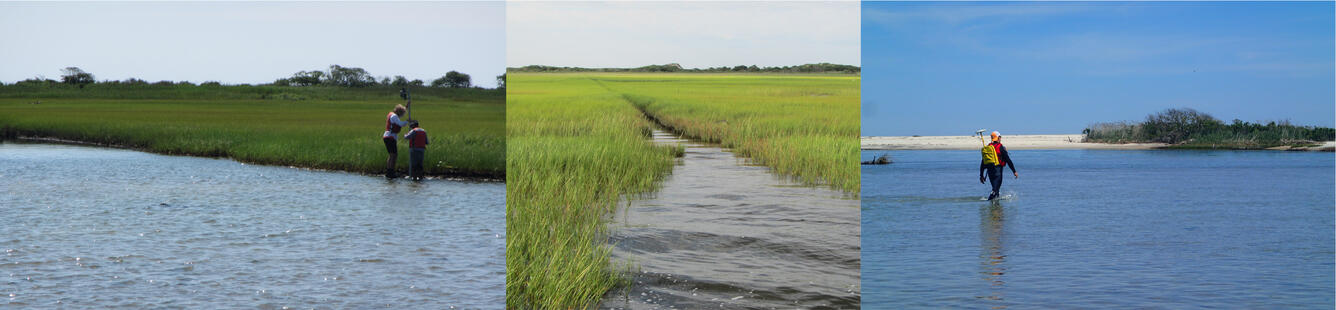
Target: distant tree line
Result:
[[357, 77], [673, 67], [1185, 126], [338, 76]]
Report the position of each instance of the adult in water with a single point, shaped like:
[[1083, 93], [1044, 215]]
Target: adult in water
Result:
[[391, 137], [995, 171]]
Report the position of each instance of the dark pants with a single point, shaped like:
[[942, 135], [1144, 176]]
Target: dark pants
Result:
[[995, 177], [391, 145], [415, 162]]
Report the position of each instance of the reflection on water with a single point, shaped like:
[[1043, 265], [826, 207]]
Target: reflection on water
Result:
[[721, 233], [993, 263], [91, 227], [1102, 229]]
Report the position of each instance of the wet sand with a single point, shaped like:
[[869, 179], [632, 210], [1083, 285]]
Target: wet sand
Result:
[[1029, 142]]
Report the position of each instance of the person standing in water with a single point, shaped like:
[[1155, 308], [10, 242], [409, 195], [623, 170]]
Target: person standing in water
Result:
[[417, 148], [391, 137], [995, 170]]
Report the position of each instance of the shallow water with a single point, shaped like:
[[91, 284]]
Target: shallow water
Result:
[[721, 233], [1101, 229], [89, 227]]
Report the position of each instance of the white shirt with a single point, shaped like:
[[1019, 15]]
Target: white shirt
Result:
[[394, 119]]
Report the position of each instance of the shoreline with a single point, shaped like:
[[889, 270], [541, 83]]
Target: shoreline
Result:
[[472, 177], [1036, 142], [1013, 142]]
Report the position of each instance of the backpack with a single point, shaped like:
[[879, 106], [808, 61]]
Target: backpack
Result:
[[989, 155]]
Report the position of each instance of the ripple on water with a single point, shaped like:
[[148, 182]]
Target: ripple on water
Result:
[[137, 230], [1102, 229], [720, 233]]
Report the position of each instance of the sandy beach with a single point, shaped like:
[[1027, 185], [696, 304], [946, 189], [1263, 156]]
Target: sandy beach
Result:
[[1030, 142], [1329, 146], [1016, 142]]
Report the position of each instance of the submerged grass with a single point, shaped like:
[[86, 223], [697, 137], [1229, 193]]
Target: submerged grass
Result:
[[467, 135], [579, 142]]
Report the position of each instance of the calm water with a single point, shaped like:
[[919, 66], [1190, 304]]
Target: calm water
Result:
[[721, 233], [1101, 229], [92, 227]]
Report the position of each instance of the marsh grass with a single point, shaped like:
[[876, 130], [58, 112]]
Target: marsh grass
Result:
[[574, 150], [254, 92], [467, 135], [580, 142], [804, 126]]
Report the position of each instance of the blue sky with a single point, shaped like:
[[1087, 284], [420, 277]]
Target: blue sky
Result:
[[693, 34], [251, 42], [950, 68]]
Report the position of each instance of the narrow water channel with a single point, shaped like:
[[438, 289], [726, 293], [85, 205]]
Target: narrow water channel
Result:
[[722, 232]]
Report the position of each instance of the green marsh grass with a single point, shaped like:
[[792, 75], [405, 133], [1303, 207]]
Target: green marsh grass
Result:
[[580, 142], [467, 133], [574, 150], [805, 126]]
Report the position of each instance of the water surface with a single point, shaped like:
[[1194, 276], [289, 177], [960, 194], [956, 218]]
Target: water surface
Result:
[[89, 227], [723, 233], [1101, 229]]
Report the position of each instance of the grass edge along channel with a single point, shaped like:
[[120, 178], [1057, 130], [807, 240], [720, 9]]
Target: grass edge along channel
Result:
[[579, 142], [805, 126], [237, 122], [575, 149]]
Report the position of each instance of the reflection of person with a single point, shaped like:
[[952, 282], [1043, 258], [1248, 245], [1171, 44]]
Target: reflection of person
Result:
[[391, 137], [995, 171], [417, 148], [993, 266]]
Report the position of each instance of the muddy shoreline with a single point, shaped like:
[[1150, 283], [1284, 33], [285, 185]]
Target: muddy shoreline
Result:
[[459, 176]]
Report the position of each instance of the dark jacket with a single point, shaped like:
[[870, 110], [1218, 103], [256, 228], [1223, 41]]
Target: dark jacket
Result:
[[1002, 157]]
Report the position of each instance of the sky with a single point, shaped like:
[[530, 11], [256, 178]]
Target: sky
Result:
[[1055, 68], [693, 34], [251, 42]]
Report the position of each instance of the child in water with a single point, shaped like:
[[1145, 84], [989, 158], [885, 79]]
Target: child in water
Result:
[[417, 148]]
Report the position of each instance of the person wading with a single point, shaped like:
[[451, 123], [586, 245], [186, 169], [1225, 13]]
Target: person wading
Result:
[[993, 165], [391, 137]]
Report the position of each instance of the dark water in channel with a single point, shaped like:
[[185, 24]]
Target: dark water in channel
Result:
[[720, 233], [91, 227], [1101, 229]]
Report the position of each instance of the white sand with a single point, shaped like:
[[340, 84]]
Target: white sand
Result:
[[1016, 142], [1329, 146]]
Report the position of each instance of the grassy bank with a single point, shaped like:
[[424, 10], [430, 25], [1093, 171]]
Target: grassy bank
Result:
[[579, 142], [1191, 129], [316, 127], [574, 149], [805, 126]]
